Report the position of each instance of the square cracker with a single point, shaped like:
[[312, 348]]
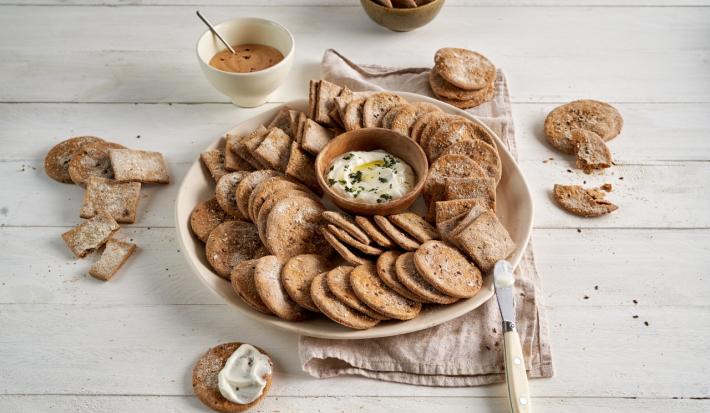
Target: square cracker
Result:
[[282, 120], [274, 150], [485, 240], [112, 258], [214, 161], [301, 167], [327, 92], [468, 188], [90, 235], [139, 166], [232, 161], [315, 137], [118, 199]]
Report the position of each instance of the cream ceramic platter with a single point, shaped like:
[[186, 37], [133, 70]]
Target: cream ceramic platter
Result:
[[514, 208]]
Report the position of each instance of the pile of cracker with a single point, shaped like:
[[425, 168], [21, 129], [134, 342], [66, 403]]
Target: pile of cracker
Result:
[[267, 232], [111, 176], [462, 78], [582, 128], [402, 4]]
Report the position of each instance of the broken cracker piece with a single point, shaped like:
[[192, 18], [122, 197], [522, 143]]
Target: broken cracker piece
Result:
[[112, 258], [90, 235], [588, 203], [591, 151]]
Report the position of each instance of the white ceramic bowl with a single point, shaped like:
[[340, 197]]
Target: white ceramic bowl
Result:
[[247, 89], [514, 208]]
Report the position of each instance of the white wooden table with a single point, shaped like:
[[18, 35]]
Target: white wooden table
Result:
[[627, 295]]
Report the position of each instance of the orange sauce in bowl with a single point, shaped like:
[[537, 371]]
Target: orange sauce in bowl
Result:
[[249, 58]]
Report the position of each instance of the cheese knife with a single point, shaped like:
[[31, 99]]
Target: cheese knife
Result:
[[515, 375]]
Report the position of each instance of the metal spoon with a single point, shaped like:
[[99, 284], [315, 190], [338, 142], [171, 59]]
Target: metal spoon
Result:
[[212, 29]]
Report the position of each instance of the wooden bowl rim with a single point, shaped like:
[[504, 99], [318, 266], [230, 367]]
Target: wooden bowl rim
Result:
[[403, 10]]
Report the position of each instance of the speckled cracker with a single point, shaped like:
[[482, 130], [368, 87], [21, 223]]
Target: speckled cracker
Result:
[[388, 274], [302, 168], [449, 229], [90, 235], [56, 163], [214, 162], [242, 279], [226, 193], [486, 241], [588, 203], [403, 240], [297, 276], [370, 289], [348, 239], [415, 225], [325, 103], [591, 151], [267, 278], [334, 309], [447, 270], [315, 137], [282, 120], [207, 216], [471, 188], [92, 160], [386, 121], [338, 280], [377, 105], [446, 210], [464, 68], [247, 185], [422, 122], [271, 201], [119, 199], [449, 166], [232, 161], [408, 275], [139, 166], [205, 380], [313, 86], [405, 118], [442, 88], [373, 231], [346, 253], [485, 155], [114, 255], [481, 96], [458, 132], [247, 143], [293, 228], [352, 116], [231, 243], [592, 115], [264, 189], [346, 223], [274, 150]]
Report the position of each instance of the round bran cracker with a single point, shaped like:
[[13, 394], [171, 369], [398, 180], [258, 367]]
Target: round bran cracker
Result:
[[266, 188], [447, 122], [408, 275], [387, 119], [248, 184], [442, 88], [373, 232], [56, 163], [342, 250], [406, 117], [226, 193], [484, 154], [464, 68], [205, 381], [352, 118], [242, 278], [592, 115], [338, 280], [377, 105], [334, 309], [346, 223], [387, 272], [415, 225], [482, 96], [346, 238], [293, 228], [377, 295], [298, 274], [457, 131], [92, 159], [447, 270], [206, 216], [231, 243], [422, 122], [403, 240], [267, 279], [269, 204], [588, 203]]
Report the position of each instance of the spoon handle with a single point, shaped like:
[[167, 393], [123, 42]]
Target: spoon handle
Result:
[[212, 29], [515, 374]]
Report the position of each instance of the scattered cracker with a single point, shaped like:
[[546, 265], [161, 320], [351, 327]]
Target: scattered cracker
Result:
[[231, 243], [115, 253], [242, 280], [447, 270], [90, 235], [346, 223], [338, 280], [591, 151], [583, 202], [56, 163], [591, 115], [464, 68], [403, 240], [388, 274], [486, 240], [334, 309], [207, 216], [92, 160], [315, 137], [139, 166], [372, 291], [373, 232], [274, 150], [298, 274], [118, 199], [408, 275], [267, 278], [415, 225], [226, 193]]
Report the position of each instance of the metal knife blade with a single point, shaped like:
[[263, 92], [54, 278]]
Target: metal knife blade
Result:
[[504, 280]]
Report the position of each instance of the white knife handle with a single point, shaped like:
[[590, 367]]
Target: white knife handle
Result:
[[515, 374]]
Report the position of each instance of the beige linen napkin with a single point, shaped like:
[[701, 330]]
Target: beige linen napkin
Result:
[[467, 351]]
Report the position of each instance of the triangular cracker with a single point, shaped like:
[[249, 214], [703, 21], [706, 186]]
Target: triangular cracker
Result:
[[327, 92], [282, 120], [315, 137], [274, 150], [301, 167]]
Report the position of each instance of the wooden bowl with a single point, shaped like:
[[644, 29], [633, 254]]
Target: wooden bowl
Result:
[[370, 139], [402, 20]]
